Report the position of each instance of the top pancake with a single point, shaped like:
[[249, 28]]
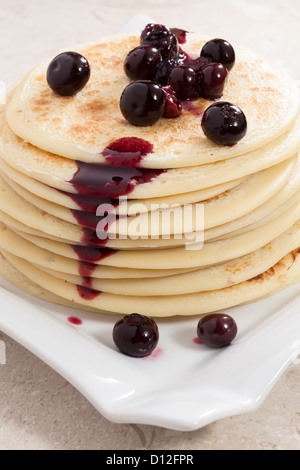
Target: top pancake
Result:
[[80, 127]]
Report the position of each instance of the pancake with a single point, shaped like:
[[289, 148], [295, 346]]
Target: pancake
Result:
[[21, 247], [73, 126], [41, 222], [256, 190], [279, 276], [216, 277], [57, 172], [66, 201], [16, 278], [181, 258]]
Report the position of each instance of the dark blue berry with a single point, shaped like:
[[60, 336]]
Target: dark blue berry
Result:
[[68, 73], [184, 81], [142, 102], [160, 37], [142, 63], [163, 71], [217, 330], [136, 335], [197, 64], [212, 80], [219, 50], [224, 123]]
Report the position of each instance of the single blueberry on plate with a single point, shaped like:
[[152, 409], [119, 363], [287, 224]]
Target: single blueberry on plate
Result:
[[136, 335], [217, 330]]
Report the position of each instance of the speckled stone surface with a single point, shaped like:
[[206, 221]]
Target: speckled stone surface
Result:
[[40, 410]]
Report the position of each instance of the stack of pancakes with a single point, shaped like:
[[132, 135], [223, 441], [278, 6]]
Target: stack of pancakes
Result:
[[249, 193]]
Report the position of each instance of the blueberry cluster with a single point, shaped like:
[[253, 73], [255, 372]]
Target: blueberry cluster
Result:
[[162, 76], [160, 60]]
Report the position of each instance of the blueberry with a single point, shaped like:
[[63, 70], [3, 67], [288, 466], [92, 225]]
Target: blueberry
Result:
[[224, 123], [68, 73], [163, 71], [219, 50], [142, 102], [212, 80], [197, 64], [136, 335], [160, 37], [154, 32], [217, 330], [184, 81], [142, 63]]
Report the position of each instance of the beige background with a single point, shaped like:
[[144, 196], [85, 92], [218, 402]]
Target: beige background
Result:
[[38, 408]]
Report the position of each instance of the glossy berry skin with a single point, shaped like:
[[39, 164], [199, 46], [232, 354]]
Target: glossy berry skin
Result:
[[163, 71], [136, 335], [142, 63], [173, 107], [154, 32], [224, 123], [142, 103], [68, 73], [217, 330], [219, 50], [212, 80], [184, 81], [160, 37], [197, 64]]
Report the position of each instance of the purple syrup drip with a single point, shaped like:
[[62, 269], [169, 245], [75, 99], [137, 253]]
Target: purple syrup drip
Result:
[[87, 293], [127, 151], [90, 220], [90, 203], [98, 183], [191, 108], [74, 320], [92, 179], [88, 255]]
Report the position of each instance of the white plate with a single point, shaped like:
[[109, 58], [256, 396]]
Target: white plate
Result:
[[182, 385]]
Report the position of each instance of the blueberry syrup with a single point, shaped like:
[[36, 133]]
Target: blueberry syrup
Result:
[[197, 341], [190, 107], [156, 354], [74, 320], [91, 254], [87, 293], [89, 203], [98, 183], [93, 179], [87, 256], [127, 151]]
